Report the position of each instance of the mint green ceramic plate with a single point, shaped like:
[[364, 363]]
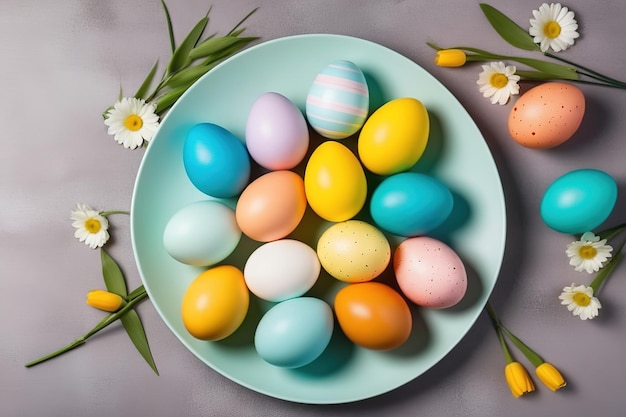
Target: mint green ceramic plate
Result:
[[457, 155]]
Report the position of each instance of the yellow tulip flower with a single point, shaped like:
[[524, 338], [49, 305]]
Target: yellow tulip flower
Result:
[[550, 376], [518, 379], [104, 300], [450, 58]]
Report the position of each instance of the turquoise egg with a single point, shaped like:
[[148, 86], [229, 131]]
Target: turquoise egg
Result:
[[337, 103], [216, 161], [579, 201], [295, 332], [410, 204]]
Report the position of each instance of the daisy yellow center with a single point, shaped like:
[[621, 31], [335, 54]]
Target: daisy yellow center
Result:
[[552, 30], [133, 122], [93, 225], [498, 80], [582, 299], [587, 252]]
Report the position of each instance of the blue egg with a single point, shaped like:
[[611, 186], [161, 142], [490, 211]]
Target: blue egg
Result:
[[410, 204], [579, 201], [337, 103], [216, 162], [295, 332]]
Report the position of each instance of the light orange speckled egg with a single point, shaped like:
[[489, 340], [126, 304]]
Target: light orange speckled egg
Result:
[[547, 115]]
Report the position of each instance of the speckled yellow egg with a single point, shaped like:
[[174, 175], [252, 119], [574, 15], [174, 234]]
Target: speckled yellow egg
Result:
[[353, 251], [547, 115]]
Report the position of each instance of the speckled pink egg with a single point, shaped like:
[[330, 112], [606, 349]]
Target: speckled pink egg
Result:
[[429, 272], [547, 115]]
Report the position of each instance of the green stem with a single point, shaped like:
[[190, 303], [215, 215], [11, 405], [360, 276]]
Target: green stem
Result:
[[596, 74], [603, 82], [530, 354], [110, 212], [496, 325], [609, 234], [138, 296], [607, 269]]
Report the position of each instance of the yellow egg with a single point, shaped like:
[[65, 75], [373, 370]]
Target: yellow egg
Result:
[[353, 251], [395, 136], [215, 303], [334, 182]]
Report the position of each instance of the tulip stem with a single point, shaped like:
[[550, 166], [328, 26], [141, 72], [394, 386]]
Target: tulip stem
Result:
[[138, 295], [496, 325], [530, 354], [589, 72]]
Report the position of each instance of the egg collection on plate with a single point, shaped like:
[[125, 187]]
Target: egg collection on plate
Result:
[[281, 270]]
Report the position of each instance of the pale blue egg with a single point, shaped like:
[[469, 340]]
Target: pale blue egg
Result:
[[410, 204], [338, 101], [579, 201], [202, 233], [216, 161], [295, 332]]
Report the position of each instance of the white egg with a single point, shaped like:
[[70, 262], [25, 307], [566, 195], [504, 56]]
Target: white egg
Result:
[[282, 269], [202, 233]]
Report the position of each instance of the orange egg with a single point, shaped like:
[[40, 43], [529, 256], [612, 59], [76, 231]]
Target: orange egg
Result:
[[271, 206], [547, 115], [373, 315]]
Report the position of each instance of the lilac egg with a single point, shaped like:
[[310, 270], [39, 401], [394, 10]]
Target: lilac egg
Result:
[[277, 136]]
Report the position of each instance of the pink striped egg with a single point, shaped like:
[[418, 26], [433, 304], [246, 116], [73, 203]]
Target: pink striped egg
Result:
[[338, 101]]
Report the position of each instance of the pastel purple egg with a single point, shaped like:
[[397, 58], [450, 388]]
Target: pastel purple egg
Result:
[[277, 136]]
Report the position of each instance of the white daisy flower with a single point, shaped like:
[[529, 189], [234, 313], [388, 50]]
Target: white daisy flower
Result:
[[580, 301], [131, 121], [588, 253], [91, 226], [498, 82], [553, 27]]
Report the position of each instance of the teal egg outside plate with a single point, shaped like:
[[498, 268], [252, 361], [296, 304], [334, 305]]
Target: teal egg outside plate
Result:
[[579, 201], [344, 372]]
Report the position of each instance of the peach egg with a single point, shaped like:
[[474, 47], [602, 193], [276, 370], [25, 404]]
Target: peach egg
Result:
[[547, 115]]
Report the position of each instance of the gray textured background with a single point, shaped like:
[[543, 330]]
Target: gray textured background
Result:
[[62, 64]]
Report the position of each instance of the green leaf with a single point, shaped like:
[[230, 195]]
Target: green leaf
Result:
[[143, 89], [509, 30], [215, 45], [134, 328], [113, 277], [168, 99], [435, 47], [170, 30], [140, 290], [232, 31], [556, 71], [180, 58], [535, 75], [187, 76]]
